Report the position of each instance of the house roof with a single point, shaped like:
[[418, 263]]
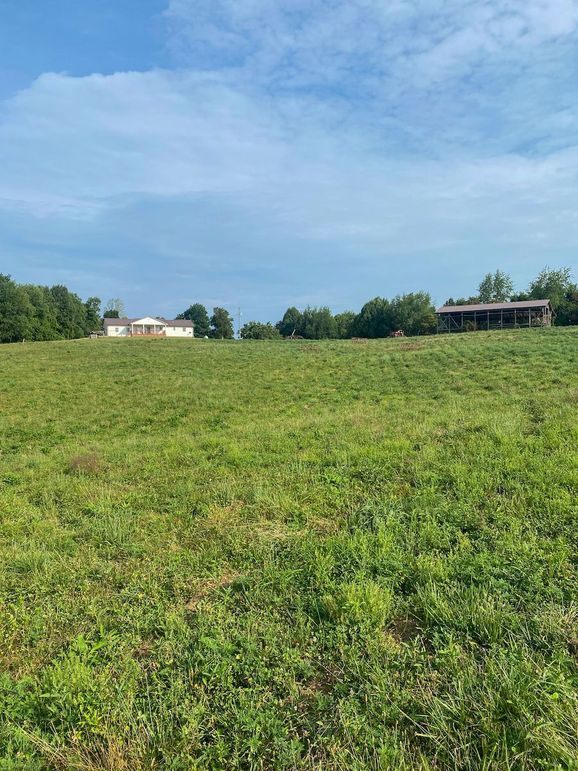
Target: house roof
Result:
[[493, 306], [167, 322]]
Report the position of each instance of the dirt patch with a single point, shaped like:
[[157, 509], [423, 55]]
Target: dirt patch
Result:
[[322, 683], [86, 464], [403, 629], [144, 650], [208, 587]]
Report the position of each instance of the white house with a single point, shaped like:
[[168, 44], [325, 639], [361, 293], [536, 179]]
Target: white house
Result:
[[149, 327]]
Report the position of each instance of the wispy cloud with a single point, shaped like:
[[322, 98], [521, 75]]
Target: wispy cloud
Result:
[[298, 141]]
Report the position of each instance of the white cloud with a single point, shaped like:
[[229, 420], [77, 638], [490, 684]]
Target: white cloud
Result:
[[79, 146], [298, 136], [298, 42]]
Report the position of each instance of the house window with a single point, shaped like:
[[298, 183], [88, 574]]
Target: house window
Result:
[[116, 329]]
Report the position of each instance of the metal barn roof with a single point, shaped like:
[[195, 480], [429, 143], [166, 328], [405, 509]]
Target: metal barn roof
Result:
[[493, 306]]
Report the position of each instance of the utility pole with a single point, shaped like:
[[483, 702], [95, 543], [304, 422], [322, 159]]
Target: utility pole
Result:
[[239, 314]]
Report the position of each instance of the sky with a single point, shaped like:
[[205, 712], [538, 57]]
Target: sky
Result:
[[258, 154]]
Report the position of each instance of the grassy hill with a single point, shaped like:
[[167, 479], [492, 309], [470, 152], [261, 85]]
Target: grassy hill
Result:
[[290, 555]]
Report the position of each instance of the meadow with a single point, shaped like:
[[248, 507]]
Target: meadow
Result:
[[290, 555]]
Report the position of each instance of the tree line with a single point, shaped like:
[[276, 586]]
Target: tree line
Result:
[[414, 313], [378, 318], [33, 312]]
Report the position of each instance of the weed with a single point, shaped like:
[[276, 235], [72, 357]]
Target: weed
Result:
[[88, 463], [307, 556]]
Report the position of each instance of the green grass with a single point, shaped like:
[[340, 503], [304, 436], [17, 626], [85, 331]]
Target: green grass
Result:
[[288, 555]]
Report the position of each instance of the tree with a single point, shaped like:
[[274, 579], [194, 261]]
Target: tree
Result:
[[414, 313], [197, 313], [92, 306], [318, 324], [16, 312], [70, 312], [568, 310], [344, 323], [221, 324], [551, 285], [33, 312], [43, 319], [114, 309], [291, 322], [558, 287], [496, 288], [374, 319], [255, 330], [463, 301]]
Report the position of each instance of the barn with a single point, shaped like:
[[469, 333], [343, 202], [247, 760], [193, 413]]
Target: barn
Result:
[[468, 318]]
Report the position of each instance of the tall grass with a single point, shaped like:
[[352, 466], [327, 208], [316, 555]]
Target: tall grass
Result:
[[290, 555]]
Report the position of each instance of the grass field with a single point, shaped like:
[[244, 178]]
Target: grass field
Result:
[[295, 555]]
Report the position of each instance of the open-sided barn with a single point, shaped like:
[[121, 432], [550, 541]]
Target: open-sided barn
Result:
[[467, 318]]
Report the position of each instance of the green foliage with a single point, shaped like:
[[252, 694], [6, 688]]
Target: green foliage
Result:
[[114, 309], [93, 321], [16, 311], [291, 322], [414, 313], [558, 287], [70, 312], [345, 324], [554, 285], [197, 313], [473, 300], [374, 319], [551, 285], [290, 556], [255, 330], [496, 288], [221, 324], [30, 312], [317, 324]]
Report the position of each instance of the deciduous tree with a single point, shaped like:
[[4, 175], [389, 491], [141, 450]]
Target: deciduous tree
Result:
[[255, 330], [495, 288], [221, 324], [291, 322], [344, 323], [197, 313], [374, 319], [114, 309]]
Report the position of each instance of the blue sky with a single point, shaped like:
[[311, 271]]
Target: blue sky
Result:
[[266, 153]]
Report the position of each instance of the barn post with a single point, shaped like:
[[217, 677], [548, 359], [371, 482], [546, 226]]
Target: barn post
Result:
[[488, 321]]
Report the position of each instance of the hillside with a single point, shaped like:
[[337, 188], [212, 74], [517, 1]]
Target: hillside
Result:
[[290, 555]]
